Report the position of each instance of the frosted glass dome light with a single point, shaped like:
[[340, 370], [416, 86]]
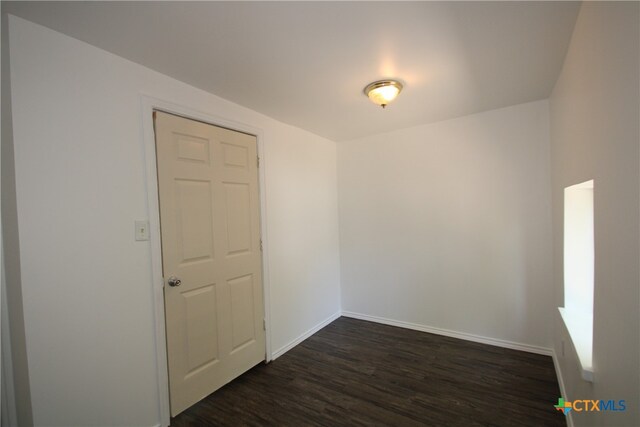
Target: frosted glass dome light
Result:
[[383, 92]]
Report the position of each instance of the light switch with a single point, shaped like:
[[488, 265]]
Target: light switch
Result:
[[142, 230]]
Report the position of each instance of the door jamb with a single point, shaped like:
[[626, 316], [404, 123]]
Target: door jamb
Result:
[[148, 105]]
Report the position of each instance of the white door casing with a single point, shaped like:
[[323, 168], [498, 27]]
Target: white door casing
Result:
[[210, 229]]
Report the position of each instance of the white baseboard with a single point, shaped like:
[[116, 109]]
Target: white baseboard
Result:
[[563, 390], [304, 336], [447, 333]]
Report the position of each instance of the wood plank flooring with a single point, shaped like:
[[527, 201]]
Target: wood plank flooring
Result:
[[357, 373]]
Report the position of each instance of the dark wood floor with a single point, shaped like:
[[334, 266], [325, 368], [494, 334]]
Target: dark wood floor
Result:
[[356, 373]]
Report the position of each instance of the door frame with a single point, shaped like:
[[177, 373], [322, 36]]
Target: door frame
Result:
[[148, 105]]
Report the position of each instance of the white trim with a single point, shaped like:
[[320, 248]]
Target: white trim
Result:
[[8, 388], [563, 390], [282, 350], [581, 337], [157, 283], [262, 188], [148, 104], [447, 333]]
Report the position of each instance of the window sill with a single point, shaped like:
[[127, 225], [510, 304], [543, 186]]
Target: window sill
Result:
[[580, 327]]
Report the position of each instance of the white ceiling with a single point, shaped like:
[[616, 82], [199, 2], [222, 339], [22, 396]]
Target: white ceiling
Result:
[[306, 63]]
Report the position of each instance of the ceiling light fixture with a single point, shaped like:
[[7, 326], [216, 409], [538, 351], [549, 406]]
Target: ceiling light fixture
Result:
[[383, 92]]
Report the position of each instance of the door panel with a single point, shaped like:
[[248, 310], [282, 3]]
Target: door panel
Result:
[[238, 218], [208, 192], [235, 156], [194, 220], [242, 320], [201, 327]]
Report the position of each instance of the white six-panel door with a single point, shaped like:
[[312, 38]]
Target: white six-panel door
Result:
[[209, 216]]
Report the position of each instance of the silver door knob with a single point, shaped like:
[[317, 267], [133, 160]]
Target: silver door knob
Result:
[[174, 281]]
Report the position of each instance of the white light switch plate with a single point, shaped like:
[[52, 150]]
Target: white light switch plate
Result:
[[142, 230]]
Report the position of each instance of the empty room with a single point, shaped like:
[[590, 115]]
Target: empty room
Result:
[[320, 213]]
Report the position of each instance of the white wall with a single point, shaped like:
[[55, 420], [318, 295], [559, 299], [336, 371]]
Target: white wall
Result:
[[80, 181], [595, 135], [448, 225]]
